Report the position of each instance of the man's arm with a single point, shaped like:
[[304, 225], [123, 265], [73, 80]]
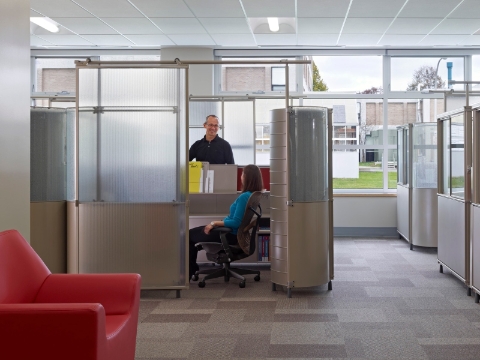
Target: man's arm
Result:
[[228, 154], [192, 153]]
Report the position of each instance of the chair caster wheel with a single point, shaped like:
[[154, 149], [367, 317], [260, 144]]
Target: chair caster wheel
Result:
[[195, 277], [242, 284], [257, 278], [201, 284]]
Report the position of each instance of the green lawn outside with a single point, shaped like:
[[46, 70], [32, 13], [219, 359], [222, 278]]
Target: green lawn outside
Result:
[[367, 180]]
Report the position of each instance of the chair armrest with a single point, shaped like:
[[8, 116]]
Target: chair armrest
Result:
[[52, 331], [118, 293]]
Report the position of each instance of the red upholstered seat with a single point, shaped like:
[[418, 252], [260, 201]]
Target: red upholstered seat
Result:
[[63, 316]]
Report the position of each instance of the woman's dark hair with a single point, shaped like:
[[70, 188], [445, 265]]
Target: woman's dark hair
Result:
[[252, 179]]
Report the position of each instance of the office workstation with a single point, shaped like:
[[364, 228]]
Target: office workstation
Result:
[[116, 195]]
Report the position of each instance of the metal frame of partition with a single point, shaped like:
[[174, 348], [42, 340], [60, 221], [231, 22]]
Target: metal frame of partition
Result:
[[453, 210], [475, 203], [417, 217]]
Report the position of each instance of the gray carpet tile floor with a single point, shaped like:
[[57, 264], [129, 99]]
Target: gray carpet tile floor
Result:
[[387, 302]]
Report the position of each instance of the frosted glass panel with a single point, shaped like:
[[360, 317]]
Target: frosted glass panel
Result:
[[132, 138], [401, 160], [70, 154], [446, 157], [239, 130], [47, 155], [262, 128], [425, 156], [308, 151], [199, 110], [457, 156]]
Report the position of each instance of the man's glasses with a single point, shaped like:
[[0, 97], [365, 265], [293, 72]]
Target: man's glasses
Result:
[[212, 125]]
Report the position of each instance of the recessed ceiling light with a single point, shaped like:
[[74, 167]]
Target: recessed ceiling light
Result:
[[46, 23], [273, 24]]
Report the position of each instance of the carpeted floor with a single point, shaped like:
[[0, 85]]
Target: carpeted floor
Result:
[[387, 302]]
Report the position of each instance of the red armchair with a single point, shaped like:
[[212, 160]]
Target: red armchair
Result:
[[63, 316]]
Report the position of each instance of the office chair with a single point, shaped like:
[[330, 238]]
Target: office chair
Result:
[[223, 254]]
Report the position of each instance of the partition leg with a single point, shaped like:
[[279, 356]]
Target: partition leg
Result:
[[177, 294], [441, 269], [411, 246], [469, 292], [330, 285], [289, 292], [477, 298], [274, 286]]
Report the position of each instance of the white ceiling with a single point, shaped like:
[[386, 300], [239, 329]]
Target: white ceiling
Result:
[[241, 23]]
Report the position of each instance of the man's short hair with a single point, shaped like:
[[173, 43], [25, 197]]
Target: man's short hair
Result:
[[206, 119]]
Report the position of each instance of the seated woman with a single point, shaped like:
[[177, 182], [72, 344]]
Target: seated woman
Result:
[[251, 181]]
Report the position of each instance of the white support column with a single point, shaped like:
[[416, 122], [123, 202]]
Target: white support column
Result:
[[15, 116]]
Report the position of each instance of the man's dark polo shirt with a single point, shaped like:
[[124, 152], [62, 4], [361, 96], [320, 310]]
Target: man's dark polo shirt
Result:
[[217, 151]]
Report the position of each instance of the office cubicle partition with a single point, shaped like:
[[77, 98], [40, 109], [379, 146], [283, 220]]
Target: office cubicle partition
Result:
[[301, 198], [454, 195], [417, 214], [475, 206], [51, 148], [130, 210]]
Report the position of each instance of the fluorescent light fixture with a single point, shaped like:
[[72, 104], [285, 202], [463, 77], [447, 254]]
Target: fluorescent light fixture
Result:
[[46, 23], [273, 24]]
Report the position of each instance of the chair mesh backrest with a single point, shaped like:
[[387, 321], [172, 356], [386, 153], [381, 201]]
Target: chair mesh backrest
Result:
[[22, 272], [246, 234]]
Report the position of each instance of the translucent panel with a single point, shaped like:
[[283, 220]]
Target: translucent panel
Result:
[[308, 151], [407, 139], [135, 87], [457, 156], [424, 156], [262, 128], [70, 154], [133, 153], [403, 71], [401, 160], [446, 157], [239, 130], [199, 110], [476, 70], [392, 168], [47, 155], [359, 73], [256, 77]]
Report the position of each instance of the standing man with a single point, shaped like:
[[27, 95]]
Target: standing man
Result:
[[212, 148]]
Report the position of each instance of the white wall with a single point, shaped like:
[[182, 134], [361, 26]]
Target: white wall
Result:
[[200, 76], [365, 211], [15, 116]]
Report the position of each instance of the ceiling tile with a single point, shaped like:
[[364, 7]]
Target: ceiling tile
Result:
[[322, 8], [317, 39], [59, 8], [457, 26], [150, 40], [428, 8], [216, 8], [192, 39], [375, 8], [359, 39], [276, 39], [163, 8], [399, 40], [319, 25], [472, 40], [85, 25], [269, 8], [467, 9], [179, 25], [36, 41], [225, 26], [110, 8], [69, 40], [413, 26], [111, 40], [366, 25], [141, 26], [234, 39], [444, 40]]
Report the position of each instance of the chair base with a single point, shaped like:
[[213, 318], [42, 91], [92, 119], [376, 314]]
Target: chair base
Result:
[[226, 271]]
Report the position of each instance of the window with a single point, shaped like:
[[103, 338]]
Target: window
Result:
[[278, 78]]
